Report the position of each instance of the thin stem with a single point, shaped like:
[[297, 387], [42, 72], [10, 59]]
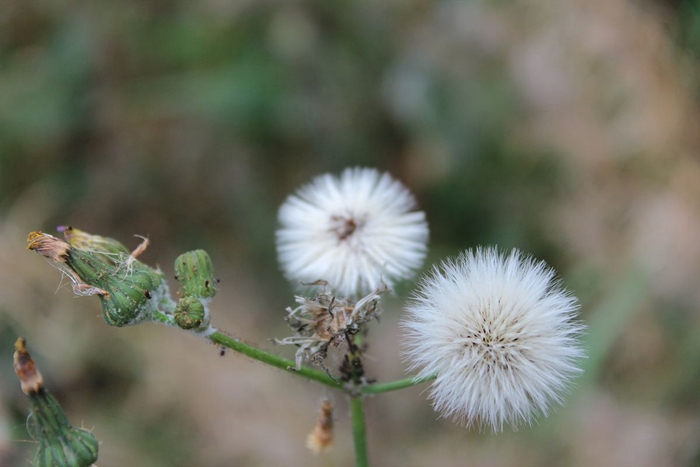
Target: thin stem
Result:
[[357, 410], [359, 434], [272, 359], [396, 385]]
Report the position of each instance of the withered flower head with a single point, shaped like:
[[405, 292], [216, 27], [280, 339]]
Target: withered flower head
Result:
[[325, 320], [48, 246]]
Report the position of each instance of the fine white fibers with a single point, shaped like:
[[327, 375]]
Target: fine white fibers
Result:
[[501, 334], [355, 232]]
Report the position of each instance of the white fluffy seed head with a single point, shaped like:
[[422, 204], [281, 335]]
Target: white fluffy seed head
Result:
[[500, 331], [355, 232]]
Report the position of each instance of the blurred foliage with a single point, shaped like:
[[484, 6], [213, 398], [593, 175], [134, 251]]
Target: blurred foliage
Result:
[[565, 129]]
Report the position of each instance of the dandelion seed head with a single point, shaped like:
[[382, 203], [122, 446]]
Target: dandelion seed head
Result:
[[355, 231], [500, 331]]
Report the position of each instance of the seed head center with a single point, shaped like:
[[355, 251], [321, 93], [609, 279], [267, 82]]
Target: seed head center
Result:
[[492, 346], [344, 227]]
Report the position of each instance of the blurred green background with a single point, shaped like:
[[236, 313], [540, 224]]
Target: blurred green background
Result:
[[566, 129]]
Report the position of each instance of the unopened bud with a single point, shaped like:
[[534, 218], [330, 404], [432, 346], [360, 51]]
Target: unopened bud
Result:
[[190, 313], [195, 274], [60, 444], [74, 447], [130, 291]]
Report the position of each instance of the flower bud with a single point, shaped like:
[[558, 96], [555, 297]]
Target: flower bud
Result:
[[59, 443], [130, 291], [195, 274], [132, 295], [190, 313], [74, 447]]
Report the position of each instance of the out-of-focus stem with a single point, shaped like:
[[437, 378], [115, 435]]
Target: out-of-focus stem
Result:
[[359, 434], [396, 385], [272, 359], [357, 410]]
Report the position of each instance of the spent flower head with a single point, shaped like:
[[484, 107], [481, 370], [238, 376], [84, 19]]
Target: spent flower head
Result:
[[499, 331], [325, 321], [355, 231]]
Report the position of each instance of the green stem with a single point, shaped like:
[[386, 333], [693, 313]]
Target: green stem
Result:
[[357, 412], [272, 359], [159, 317], [396, 385]]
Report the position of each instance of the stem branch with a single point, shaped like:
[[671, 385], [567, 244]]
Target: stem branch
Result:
[[396, 385], [272, 359]]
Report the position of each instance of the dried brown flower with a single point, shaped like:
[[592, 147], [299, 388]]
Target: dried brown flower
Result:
[[321, 438]]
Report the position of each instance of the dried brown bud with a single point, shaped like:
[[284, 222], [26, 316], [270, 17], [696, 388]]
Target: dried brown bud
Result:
[[27, 372], [321, 438]]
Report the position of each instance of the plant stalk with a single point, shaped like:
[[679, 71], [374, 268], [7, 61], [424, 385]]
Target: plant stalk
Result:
[[273, 360], [359, 434], [396, 385]]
